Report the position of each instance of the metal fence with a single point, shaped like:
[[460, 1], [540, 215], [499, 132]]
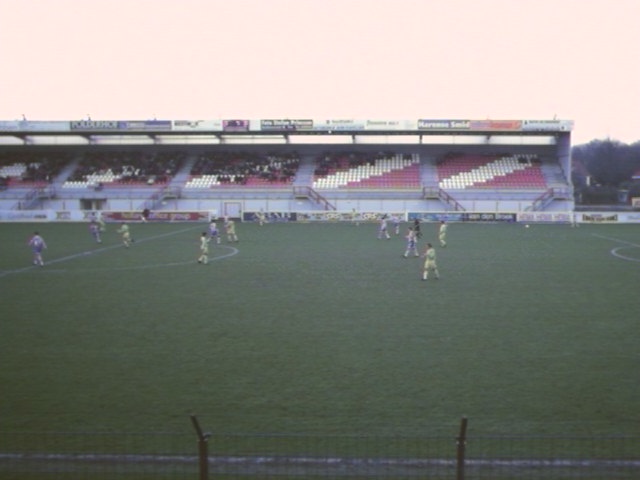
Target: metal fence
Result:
[[136, 456]]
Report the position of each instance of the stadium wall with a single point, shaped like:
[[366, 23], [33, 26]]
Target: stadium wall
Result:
[[365, 215], [389, 203]]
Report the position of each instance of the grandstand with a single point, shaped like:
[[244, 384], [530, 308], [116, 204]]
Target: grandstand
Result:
[[234, 166]]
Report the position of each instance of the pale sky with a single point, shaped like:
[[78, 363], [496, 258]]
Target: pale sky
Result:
[[326, 59]]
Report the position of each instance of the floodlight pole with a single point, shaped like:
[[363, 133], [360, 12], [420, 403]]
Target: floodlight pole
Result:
[[203, 454], [461, 443]]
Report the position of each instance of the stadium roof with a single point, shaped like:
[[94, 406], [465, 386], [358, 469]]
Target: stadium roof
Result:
[[283, 131]]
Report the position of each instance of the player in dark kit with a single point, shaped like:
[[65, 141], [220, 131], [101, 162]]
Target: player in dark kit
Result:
[[416, 228]]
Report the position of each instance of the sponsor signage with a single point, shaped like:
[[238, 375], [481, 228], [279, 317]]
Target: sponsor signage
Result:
[[160, 216], [338, 125], [547, 125], [428, 124], [127, 125], [197, 125], [286, 124], [462, 217], [384, 125], [495, 124], [26, 215], [489, 217], [335, 217], [545, 217], [94, 125], [235, 125], [145, 125], [316, 216], [600, 217], [270, 217], [27, 126], [435, 217], [9, 126]]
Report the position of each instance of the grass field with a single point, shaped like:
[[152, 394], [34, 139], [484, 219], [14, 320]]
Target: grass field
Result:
[[322, 329]]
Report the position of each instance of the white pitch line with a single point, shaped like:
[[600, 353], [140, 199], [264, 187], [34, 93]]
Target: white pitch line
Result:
[[614, 251], [113, 247], [330, 464], [616, 240], [234, 251]]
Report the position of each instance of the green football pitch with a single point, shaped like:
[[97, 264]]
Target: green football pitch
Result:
[[322, 329]]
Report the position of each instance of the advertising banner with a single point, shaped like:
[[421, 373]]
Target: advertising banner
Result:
[[547, 125], [333, 217], [121, 125], [489, 217], [36, 126], [429, 124], [286, 124], [385, 125], [26, 215], [92, 125], [435, 217], [235, 125], [599, 217], [159, 216], [495, 125], [338, 125], [545, 217], [629, 217], [145, 125], [558, 218], [270, 217], [197, 125], [9, 126]]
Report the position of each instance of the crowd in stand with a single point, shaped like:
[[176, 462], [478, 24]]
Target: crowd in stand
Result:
[[34, 167], [329, 163], [130, 167], [241, 167]]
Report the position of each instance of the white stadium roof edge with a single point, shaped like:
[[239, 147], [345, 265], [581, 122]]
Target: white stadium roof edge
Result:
[[283, 131]]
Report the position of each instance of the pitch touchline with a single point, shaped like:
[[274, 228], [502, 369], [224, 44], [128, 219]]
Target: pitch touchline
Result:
[[267, 462]]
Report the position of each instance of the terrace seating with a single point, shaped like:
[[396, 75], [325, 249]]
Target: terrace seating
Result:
[[223, 169], [31, 169], [125, 169], [384, 172], [518, 171], [203, 181], [13, 171]]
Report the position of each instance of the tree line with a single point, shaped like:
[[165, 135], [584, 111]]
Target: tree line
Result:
[[602, 168]]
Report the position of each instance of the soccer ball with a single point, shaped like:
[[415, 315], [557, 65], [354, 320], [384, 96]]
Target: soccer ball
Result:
[[526, 226]]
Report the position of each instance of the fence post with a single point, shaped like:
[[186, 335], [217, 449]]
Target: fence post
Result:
[[461, 444], [203, 454]]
